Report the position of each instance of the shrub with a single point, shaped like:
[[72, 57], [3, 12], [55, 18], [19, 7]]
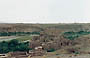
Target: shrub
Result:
[[76, 52], [51, 50]]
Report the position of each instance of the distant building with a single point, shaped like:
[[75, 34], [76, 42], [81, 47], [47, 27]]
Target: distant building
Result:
[[38, 51]]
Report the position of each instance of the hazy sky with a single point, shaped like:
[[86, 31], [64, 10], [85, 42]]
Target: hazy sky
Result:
[[44, 11]]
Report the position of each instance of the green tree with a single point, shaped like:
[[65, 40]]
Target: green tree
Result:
[[4, 47]]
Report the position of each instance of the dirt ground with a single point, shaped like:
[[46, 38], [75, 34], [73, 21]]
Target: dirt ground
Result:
[[64, 56]]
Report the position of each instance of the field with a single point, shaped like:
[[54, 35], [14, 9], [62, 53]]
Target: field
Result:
[[20, 38], [24, 38]]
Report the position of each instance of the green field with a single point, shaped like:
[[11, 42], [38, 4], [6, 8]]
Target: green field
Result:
[[24, 38]]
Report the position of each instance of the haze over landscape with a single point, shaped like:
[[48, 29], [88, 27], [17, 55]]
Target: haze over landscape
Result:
[[44, 11]]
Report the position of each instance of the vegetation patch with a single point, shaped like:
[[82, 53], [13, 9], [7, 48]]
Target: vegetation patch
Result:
[[18, 33], [73, 35], [13, 45], [51, 50]]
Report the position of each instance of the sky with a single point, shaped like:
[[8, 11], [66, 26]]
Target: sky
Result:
[[45, 11]]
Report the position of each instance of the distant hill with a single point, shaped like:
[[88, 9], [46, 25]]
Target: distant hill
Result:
[[20, 27]]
